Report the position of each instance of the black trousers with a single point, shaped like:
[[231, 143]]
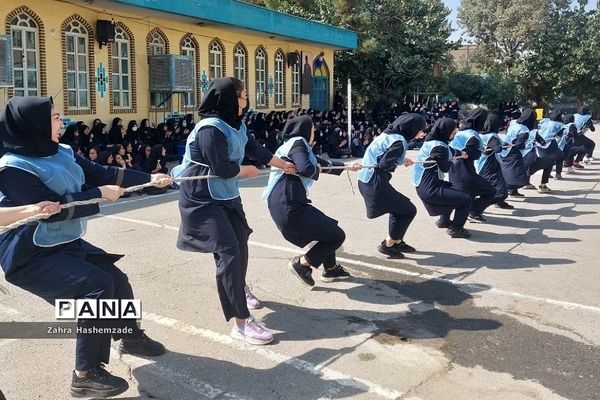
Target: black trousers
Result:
[[460, 201], [232, 264], [589, 145], [544, 165], [574, 152], [67, 276], [401, 218], [323, 252]]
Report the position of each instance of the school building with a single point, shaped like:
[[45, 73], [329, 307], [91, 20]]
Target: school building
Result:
[[94, 57]]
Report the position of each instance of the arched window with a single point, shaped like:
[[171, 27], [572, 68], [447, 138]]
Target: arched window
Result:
[[261, 77], [26, 57], [189, 48], [121, 71], [156, 44], [239, 63], [76, 53], [215, 60], [296, 99], [279, 79]]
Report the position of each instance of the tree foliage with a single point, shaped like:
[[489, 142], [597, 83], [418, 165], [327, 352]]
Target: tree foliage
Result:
[[399, 43], [551, 51]]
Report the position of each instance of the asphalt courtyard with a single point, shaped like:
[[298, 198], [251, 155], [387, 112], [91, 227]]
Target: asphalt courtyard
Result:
[[512, 313]]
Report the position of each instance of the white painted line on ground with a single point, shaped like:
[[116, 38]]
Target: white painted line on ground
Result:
[[472, 288], [206, 389], [193, 384], [301, 365]]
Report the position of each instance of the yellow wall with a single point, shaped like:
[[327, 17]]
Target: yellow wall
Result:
[[140, 22]]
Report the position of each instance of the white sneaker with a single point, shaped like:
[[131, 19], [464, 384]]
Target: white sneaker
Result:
[[588, 160], [252, 332]]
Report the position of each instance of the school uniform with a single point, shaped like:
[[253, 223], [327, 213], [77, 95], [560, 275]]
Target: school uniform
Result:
[[212, 216], [463, 175], [488, 166], [438, 196], [511, 158], [386, 152], [583, 122], [49, 259], [286, 195]]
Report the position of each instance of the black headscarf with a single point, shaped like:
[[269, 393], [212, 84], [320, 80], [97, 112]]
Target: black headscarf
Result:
[[584, 110], [556, 115], [408, 125], [528, 118], [25, 127], [442, 129], [103, 157], [475, 120], [221, 101], [298, 126], [492, 124], [569, 119]]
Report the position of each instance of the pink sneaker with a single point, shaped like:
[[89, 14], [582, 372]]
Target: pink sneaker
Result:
[[251, 300], [252, 332]]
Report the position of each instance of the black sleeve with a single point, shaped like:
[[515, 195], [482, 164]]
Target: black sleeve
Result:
[[213, 146], [98, 175], [298, 154], [388, 160], [331, 163], [440, 154], [31, 190], [590, 124], [472, 148], [256, 151], [520, 140], [495, 145], [540, 139]]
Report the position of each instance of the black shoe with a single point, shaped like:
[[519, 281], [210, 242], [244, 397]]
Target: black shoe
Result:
[[336, 273], [389, 251], [476, 218], [303, 273], [558, 177], [442, 225], [515, 193], [461, 233], [529, 186], [141, 346], [504, 205], [404, 248], [98, 383]]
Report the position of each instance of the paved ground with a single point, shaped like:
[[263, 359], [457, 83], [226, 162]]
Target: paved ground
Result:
[[513, 313]]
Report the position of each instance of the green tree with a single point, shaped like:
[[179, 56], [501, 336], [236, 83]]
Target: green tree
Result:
[[399, 43], [502, 29]]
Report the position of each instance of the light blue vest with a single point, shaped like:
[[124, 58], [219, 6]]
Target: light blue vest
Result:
[[462, 137], [549, 129], [376, 149], [580, 120], [277, 174], [219, 188], [480, 162], [514, 130], [564, 139], [61, 174], [419, 166]]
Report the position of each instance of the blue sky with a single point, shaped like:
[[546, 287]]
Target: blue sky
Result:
[[453, 6]]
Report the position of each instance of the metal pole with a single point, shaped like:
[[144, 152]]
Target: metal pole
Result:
[[349, 112]]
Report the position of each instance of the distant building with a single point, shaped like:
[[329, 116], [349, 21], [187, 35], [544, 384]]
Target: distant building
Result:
[[462, 56]]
